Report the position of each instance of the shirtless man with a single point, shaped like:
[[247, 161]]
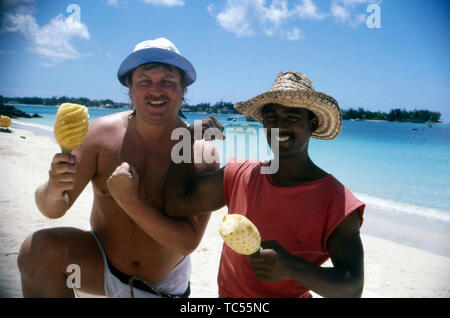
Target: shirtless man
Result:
[[129, 242]]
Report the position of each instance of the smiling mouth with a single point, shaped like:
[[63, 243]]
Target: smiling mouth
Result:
[[157, 102], [282, 139]]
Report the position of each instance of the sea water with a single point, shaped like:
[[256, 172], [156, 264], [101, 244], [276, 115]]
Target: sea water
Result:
[[400, 167]]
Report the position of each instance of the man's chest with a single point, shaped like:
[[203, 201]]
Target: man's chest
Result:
[[151, 167]]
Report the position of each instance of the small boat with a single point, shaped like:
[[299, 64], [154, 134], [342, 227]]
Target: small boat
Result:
[[240, 125]]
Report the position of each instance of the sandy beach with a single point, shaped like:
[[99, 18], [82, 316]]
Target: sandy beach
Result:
[[401, 259]]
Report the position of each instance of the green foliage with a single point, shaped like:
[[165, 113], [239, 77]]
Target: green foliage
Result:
[[222, 107], [56, 101], [218, 108], [396, 114]]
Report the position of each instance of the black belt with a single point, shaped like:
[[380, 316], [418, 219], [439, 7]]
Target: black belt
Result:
[[139, 284]]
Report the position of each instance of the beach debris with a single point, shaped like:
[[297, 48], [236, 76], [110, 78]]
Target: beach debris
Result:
[[5, 121], [240, 234], [9, 254], [71, 126]]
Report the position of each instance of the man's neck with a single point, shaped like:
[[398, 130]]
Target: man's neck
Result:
[[295, 170]]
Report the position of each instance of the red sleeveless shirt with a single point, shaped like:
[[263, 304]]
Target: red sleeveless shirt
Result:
[[300, 218]]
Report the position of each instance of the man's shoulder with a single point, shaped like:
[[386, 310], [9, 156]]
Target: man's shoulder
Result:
[[108, 124], [104, 129], [111, 121]]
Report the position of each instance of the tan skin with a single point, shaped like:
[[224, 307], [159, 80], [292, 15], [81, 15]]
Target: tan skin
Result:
[[120, 152], [273, 262]]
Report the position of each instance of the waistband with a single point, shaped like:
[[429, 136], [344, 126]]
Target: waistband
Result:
[[133, 281], [140, 284]]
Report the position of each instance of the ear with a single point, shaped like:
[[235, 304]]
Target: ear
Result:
[[314, 123]]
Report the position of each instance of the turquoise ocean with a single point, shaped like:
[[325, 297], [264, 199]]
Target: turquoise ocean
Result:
[[403, 168]]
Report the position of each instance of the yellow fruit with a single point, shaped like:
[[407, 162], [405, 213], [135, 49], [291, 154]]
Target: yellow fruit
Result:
[[240, 234], [71, 126], [5, 121]]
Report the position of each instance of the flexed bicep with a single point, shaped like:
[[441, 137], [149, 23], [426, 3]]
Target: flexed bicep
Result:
[[186, 194]]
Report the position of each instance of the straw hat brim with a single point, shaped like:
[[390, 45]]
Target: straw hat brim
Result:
[[325, 107]]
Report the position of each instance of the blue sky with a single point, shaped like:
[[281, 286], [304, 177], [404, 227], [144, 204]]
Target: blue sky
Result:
[[74, 48]]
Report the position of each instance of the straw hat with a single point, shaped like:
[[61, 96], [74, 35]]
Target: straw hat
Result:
[[292, 89]]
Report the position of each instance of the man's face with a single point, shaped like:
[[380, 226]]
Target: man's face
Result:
[[294, 128], [156, 93]]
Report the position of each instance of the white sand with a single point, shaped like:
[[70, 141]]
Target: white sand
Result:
[[391, 269]]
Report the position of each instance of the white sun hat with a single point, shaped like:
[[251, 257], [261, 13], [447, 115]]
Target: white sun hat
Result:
[[160, 50]]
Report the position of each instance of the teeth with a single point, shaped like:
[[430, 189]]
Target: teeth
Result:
[[282, 138], [157, 102]]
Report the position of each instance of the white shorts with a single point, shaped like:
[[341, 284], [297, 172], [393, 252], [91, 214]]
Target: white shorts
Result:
[[176, 283]]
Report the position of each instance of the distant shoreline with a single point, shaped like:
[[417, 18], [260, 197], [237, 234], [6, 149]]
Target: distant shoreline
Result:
[[33, 105], [194, 112], [400, 122]]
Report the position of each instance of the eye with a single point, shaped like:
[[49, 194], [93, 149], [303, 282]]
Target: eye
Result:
[[293, 119], [143, 83], [269, 118], [168, 83]]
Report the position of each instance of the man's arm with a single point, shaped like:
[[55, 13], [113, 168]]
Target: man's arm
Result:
[[345, 279], [180, 234], [189, 190], [68, 174], [186, 194]]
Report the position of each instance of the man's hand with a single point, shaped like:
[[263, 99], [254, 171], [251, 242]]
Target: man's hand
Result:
[[271, 263], [209, 127], [123, 184], [61, 174]]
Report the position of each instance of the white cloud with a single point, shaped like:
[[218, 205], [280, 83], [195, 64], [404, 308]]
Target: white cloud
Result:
[[241, 17], [308, 10], [282, 17], [51, 40], [248, 17], [358, 20], [210, 8], [113, 3], [277, 12], [169, 3], [343, 11], [292, 35]]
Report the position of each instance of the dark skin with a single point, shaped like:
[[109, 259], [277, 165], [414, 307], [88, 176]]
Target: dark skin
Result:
[[273, 263]]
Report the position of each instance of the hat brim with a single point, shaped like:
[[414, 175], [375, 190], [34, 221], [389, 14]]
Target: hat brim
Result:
[[323, 106], [152, 55]]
